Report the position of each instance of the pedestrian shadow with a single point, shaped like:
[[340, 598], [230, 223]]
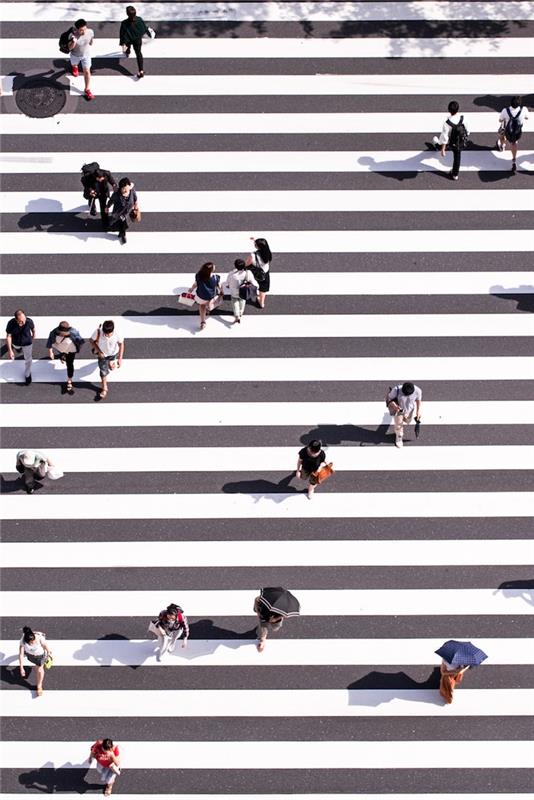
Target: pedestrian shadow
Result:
[[67, 778], [379, 687], [498, 102], [112, 61], [337, 434], [11, 485], [48, 216], [411, 167], [524, 299], [12, 677], [176, 319], [260, 488], [103, 654], [521, 589]]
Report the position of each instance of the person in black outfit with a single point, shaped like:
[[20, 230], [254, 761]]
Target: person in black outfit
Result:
[[133, 28], [20, 333], [311, 458], [124, 204], [97, 186]]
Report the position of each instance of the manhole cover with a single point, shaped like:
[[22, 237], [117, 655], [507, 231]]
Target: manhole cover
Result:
[[41, 98]]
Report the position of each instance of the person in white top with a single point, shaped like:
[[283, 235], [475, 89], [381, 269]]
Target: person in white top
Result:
[[260, 263], [80, 41], [240, 275], [33, 645], [402, 400], [447, 137], [511, 121], [108, 345]]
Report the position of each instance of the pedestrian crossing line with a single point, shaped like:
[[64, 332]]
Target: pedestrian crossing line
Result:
[[303, 325], [281, 459], [309, 241], [268, 703], [274, 48], [113, 284], [247, 755], [291, 200], [326, 796], [302, 553], [225, 370], [281, 652], [169, 414]]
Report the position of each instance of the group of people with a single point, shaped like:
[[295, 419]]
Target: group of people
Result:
[[78, 40], [118, 201], [455, 136]]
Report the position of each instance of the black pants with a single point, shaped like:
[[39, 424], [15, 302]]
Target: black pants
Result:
[[456, 160], [69, 362], [30, 473], [138, 54], [102, 200]]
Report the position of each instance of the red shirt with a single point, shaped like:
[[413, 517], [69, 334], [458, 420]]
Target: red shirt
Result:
[[102, 755]]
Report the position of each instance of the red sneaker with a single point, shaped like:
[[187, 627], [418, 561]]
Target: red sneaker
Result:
[[89, 95], [75, 71]]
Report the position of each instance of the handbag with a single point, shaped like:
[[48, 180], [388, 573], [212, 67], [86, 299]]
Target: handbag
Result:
[[135, 216], [322, 475], [151, 33], [54, 473], [247, 291], [153, 628], [49, 663], [186, 299]]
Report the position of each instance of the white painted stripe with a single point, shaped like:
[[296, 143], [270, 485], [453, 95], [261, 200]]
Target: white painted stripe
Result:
[[353, 505], [464, 412], [313, 241], [114, 284], [304, 553], [327, 602], [273, 48], [281, 459], [268, 703], [459, 753], [292, 200], [306, 325], [152, 370], [281, 652]]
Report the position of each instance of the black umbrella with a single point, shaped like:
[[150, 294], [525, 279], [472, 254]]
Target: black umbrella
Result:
[[280, 601]]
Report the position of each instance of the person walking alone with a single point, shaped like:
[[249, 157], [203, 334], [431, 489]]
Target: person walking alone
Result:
[[34, 647], [170, 625], [267, 623], [133, 28], [402, 400], [20, 333], [454, 135], [65, 341], [80, 41], [207, 288], [107, 757], [260, 263], [32, 464], [310, 459], [511, 128], [125, 207], [449, 677], [108, 346], [238, 282]]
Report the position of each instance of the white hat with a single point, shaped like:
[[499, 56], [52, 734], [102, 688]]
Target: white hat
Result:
[[27, 458]]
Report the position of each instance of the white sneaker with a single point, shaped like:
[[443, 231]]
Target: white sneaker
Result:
[[398, 441]]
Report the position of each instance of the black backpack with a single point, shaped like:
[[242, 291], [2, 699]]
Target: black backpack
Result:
[[63, 42], [513, 128], [458, 136]]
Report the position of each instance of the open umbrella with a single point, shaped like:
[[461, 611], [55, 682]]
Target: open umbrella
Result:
[[280, 601], [461, 653]]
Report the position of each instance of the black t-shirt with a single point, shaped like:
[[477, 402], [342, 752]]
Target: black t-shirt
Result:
[[21, 335], [311, 463]]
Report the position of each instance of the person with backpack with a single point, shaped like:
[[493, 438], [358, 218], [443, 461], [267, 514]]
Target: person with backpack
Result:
[[79, 44], [170, 626], [34, 647], [511, 122], [108, 345], [97, 185], [133, 28], [402, 400], [242, 286], [260, 263], [65, 341], [207, 288], [107, 757], [455, 136]]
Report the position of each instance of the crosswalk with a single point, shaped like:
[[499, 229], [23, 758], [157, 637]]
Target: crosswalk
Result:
[[306, 123]]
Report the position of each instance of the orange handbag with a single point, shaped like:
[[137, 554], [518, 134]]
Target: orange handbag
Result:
[[324, 473]]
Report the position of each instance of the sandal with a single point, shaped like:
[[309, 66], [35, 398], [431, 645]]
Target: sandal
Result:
[[202, 326], [103, 394], [70, 388], [39, 691]]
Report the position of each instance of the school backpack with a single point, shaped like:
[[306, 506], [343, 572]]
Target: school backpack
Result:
[[513, 128], [63, 42], [458, 136]]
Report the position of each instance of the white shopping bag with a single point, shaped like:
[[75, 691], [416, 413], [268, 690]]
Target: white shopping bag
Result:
[[54, 473]]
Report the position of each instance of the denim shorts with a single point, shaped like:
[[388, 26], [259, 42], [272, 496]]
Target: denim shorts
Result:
[[103, 364], [85, 61]]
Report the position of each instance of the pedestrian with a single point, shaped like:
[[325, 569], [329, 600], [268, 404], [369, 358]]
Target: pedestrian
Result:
[[65, 341], [511, 127], [97, 184], [267, 623], [20, 333], [260, 263], [240, 283], [107, 757], [80, 40], [454, 135], [208, 291], [125, 207], [108, 346], [402, 400], [170, 626], [310, 460], [34, 647], [133, 28], [450, 676], [32, 464]]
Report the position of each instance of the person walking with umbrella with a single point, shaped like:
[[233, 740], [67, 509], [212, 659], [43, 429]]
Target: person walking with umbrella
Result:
[[273, 605], [457, 657]]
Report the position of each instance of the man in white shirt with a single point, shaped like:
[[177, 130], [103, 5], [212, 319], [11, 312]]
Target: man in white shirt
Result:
[[80, 42], [511, 122], [108, 345], [402, 400], [448, 136]]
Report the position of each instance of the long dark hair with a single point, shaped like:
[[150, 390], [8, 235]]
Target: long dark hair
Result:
[[29, 635], [205, 271], [264, 250]]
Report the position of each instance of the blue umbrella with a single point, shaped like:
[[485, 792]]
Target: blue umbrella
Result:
[[461, 654]]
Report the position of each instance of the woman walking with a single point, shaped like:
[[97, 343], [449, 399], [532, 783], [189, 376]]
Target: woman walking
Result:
[[33, 645], [125, 207], [450, 676], [170, 626], [207, 288], [133, 28], [311, 458], [106, 755], [260, 263], [239, 276], [65, 341]]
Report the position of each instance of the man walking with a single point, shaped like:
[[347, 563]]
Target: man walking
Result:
[[108, 345], [20, 333], [511, 128], [402, 400], [80, 42], [454, 135], [123, 206]]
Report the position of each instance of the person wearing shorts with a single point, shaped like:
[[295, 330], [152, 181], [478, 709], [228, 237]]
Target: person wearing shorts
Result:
[[311, 458], [519, 113], [80, 42], [108, 346], [402, 401], [34, 647]]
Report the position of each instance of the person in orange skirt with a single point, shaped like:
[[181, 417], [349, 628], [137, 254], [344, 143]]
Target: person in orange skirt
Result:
[[450, 676]]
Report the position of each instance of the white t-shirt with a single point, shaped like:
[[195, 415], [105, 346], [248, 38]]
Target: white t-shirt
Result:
[[406, 402], [109, 345], [35, 649], [505, 116], [446, 130], [237, 277], [83, 44]]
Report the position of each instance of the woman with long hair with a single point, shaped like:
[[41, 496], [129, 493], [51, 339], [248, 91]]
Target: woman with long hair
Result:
[[259, 262], [34, 647], [207, 288]]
